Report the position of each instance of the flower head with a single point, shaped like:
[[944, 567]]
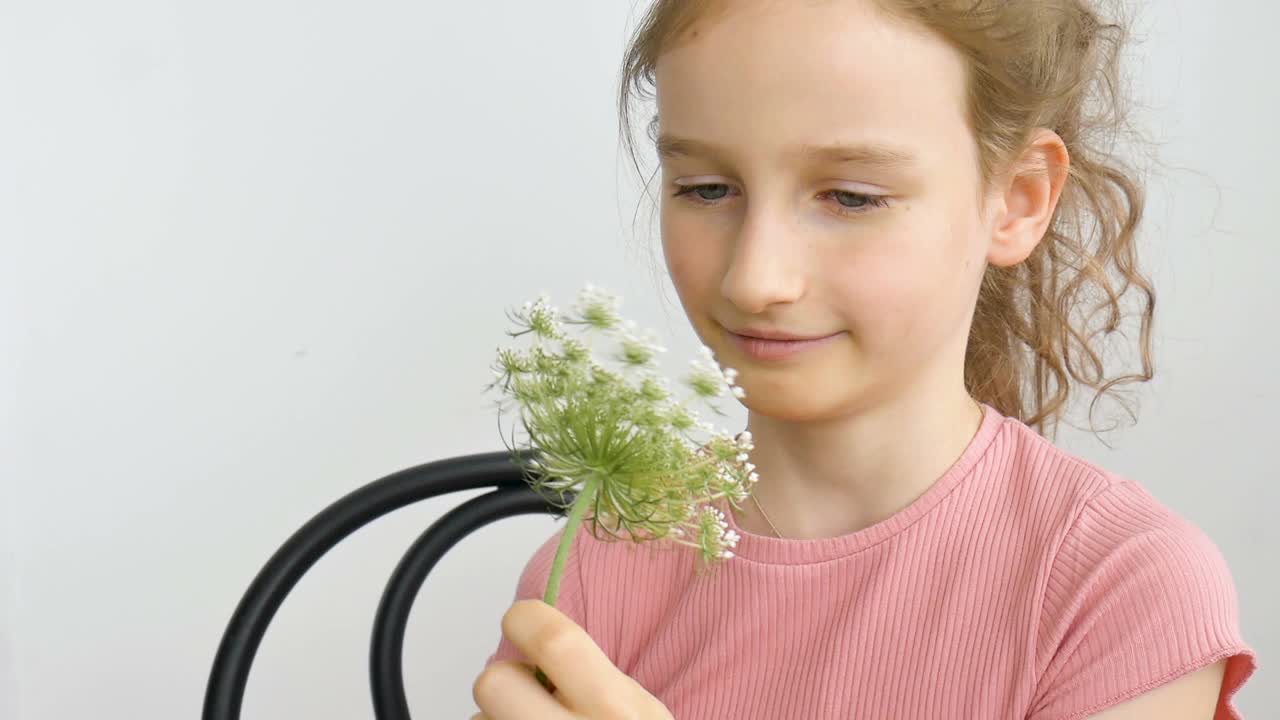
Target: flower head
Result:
[[709, 380], [596, 309], [649, 467], [637, 351]]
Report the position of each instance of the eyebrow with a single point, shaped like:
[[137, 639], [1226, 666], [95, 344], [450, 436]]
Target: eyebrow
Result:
[[875, 154]]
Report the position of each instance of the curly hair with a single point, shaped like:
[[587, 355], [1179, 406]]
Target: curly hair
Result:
[[1035, 339]]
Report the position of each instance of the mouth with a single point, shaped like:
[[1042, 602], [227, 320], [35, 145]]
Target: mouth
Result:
[[777, 335], [773, 348]]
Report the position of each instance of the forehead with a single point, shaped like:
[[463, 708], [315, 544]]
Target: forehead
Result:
[[799, 73]]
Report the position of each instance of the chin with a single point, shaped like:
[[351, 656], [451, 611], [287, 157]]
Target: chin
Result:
[[800, 400], [794, 410]]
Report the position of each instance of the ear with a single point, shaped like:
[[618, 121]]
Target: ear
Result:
[[1026, 197]]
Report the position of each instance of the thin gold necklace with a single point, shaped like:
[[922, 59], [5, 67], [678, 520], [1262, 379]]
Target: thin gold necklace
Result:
[[766, 517]]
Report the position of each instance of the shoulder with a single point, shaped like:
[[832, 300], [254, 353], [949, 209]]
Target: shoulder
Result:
[[1065, 503], [1125, 543], [1033, 464], [1133, 594], [1105, 538], [1135, 597], [1103, 520], [1042, 489]]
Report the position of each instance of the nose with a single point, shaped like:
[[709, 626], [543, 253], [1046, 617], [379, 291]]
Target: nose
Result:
[[766, 264]]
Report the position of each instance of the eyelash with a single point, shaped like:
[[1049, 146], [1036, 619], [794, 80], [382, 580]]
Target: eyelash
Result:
[[870, 201]]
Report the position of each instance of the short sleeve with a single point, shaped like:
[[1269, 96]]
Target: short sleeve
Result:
[[1136, 597], [533, 584]]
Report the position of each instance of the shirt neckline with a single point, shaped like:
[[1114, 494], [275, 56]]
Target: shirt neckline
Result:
[[785, 551]]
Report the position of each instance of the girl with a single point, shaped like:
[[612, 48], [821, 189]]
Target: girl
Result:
[[886, 214]]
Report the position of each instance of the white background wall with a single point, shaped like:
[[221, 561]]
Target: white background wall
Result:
[[255, 254]]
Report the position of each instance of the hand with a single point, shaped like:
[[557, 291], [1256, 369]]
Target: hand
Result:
[[587, 685]]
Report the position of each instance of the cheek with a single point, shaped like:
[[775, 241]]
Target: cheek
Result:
[[691, 264], [911, 289]]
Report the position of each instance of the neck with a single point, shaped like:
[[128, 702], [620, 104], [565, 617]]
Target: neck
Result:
[[837, 476]]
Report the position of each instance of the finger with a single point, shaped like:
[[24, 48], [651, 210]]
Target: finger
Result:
[[583, 675], [507, 690]]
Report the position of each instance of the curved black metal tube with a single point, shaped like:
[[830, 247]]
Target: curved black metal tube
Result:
[[386, 651], [248, 624]]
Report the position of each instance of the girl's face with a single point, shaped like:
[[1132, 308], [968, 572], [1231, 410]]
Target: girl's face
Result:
[[819, 177]]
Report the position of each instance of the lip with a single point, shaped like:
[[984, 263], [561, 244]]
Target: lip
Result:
[[767, 349], [763, 334]]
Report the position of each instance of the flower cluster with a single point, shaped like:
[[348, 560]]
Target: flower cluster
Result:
[[640, 463]]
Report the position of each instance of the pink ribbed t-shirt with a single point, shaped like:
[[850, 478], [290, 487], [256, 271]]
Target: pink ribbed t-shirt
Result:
[[1024, 583]]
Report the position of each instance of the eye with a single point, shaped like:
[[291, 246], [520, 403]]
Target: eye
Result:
[[849, 199], [847, 203], [706, 194], [852, 203]]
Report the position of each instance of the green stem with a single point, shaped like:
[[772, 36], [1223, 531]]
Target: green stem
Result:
[[584, 499], [579, 508]]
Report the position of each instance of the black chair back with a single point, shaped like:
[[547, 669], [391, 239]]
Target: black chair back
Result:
[[513, 495]]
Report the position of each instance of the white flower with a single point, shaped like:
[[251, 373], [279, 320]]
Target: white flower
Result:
[[621, 440], [597, 309], [542, 318], [709, 380], [637, 351]]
